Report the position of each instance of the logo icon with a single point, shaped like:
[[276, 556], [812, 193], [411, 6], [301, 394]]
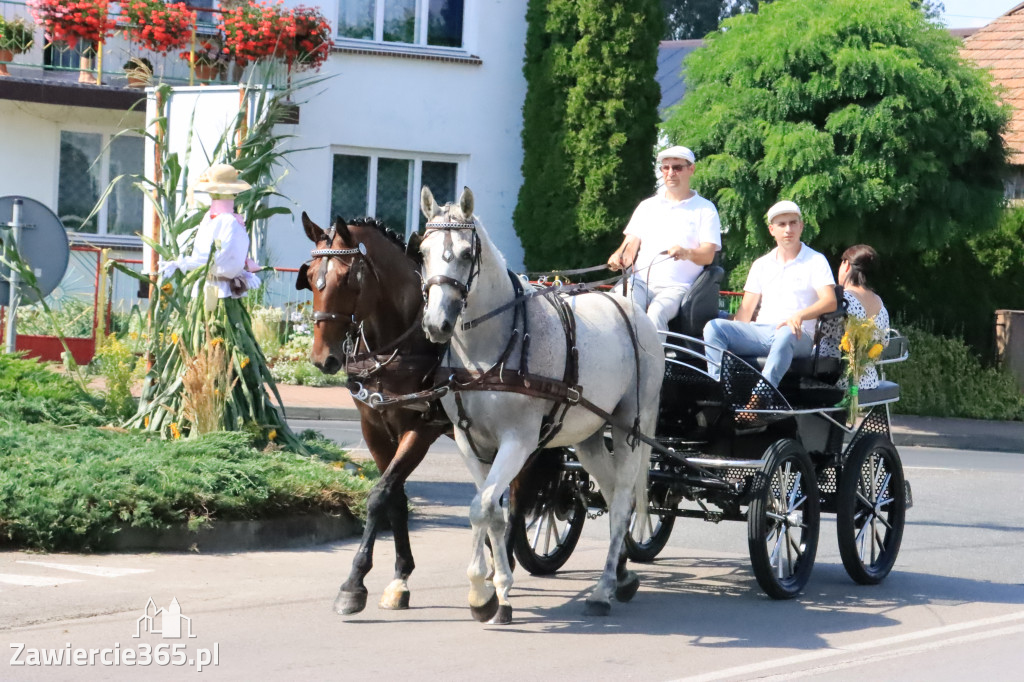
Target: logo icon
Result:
[[170, 621]]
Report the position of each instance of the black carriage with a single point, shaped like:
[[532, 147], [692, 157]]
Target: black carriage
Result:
[[778, 467]]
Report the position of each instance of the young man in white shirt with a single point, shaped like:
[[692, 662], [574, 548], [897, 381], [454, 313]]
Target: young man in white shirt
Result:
[[669, 239], [793, 284]]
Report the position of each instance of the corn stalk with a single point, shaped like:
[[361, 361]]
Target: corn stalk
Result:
[[181, 326]]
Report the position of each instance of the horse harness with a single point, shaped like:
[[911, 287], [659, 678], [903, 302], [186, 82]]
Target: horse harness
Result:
[[370, 365], [565, 393]]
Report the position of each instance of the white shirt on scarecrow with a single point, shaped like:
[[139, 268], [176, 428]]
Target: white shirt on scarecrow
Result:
[[222, 233]]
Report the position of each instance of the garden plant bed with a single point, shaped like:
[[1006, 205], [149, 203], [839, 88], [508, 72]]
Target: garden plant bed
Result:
[[68, 481]]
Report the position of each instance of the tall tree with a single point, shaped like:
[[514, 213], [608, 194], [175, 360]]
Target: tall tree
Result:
[[589, 126], [867, 116], [689, 19]]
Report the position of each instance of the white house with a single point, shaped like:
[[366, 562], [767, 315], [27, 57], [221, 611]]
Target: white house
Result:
[[420, 92]]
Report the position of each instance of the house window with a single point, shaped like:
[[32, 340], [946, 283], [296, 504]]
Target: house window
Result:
[[414, 22], [388, 188], [88, 162]]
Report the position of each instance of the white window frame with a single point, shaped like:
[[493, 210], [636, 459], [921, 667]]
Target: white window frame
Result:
[[420, 29], [413, 200], [101, 237]]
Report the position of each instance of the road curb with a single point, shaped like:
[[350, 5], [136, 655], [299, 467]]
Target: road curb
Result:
[[345, 414], [959, 442], [238, 536]]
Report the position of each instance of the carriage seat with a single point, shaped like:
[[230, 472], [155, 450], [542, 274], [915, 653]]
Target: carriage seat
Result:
[[885, 391], [700, 304]]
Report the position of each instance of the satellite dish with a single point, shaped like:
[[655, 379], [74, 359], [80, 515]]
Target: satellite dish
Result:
[[43, 244]]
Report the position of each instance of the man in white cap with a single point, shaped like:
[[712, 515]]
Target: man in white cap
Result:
[[669, 239], [793, 285]]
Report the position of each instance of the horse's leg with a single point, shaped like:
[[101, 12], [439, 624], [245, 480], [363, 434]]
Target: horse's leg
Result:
[[634, 481], [617, 478], [488, 519], [411, 450], [352, 593]]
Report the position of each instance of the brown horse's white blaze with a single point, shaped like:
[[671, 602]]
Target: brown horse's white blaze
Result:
[[465, 277]]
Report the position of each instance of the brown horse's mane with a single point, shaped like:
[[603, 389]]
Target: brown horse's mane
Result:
[[392, 236]]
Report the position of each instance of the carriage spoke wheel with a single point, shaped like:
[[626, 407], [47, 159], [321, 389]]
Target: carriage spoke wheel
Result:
[[543, 538], [648, 533], [871, 510], [783, 520]]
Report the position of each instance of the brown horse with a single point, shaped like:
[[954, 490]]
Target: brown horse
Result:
[[367, 306]]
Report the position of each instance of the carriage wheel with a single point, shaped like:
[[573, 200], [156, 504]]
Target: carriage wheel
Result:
[[543, 538], [783, 520], [648, 533], [872, 506]]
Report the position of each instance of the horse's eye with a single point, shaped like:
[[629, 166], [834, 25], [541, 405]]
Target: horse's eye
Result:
[[465, 255]]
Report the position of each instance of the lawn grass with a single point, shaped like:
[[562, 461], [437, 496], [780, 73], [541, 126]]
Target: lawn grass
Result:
[[68, 483]]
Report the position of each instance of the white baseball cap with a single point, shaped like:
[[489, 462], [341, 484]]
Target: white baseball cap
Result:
[[783, 207], [676, 152]]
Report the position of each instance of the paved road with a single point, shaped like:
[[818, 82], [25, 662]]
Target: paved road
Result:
[[953, 608]]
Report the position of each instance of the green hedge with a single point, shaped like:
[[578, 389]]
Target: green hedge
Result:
[[945, 378]]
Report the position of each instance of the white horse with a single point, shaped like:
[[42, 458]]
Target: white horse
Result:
[[499, 422]]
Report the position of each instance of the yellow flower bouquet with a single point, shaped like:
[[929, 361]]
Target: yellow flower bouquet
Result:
[[860, 347]]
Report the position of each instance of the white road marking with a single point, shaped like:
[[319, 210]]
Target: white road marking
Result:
[[90, 570], [761, 666], [34, 580], [905, 651]]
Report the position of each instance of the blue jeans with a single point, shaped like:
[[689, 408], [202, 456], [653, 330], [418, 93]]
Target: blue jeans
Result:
[[752, 339]]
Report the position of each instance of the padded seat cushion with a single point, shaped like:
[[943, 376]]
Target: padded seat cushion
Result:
[[886, 390]]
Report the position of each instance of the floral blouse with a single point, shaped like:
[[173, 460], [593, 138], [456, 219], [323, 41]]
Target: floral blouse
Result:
[[832, 333]]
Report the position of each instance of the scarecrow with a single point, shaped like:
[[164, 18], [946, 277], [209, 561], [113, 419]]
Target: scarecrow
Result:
[[213, 375]]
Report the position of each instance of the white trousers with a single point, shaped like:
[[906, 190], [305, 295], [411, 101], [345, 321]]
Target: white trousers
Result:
[[660, 301]]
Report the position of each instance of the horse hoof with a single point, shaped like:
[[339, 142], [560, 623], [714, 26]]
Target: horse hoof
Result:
[[597, 608], [486, 612], [348, 603], [503, 616], [395, 601], [625, 590]]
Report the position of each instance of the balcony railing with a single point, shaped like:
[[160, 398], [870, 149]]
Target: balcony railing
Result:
[[110, 62]]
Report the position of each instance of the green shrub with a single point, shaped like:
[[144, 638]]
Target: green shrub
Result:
[[944, 378], [32, 393], [72, 492], [116, 363]]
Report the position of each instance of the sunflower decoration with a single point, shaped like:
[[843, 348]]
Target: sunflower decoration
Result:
[[860, 347]]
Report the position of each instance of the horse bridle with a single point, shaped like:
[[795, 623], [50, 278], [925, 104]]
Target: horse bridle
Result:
[[321, 276], [449, 254]]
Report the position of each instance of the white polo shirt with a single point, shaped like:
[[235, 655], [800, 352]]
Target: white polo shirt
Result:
[[660, 223], [788, 288]]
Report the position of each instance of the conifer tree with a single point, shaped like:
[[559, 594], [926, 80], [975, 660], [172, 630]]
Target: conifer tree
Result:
[[589, 126]]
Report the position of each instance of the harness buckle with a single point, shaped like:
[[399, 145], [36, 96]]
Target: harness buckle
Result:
[[464, 423], [361, 394], [572, 395]]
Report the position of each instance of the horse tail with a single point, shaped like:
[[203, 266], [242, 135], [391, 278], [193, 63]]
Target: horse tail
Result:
[[642, 476]]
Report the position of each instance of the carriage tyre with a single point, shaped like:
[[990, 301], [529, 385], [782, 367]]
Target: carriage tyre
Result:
[[783, 520], [645, 540], [543, 540], [871, 510]]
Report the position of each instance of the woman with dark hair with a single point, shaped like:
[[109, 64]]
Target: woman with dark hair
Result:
[[861, 301]]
